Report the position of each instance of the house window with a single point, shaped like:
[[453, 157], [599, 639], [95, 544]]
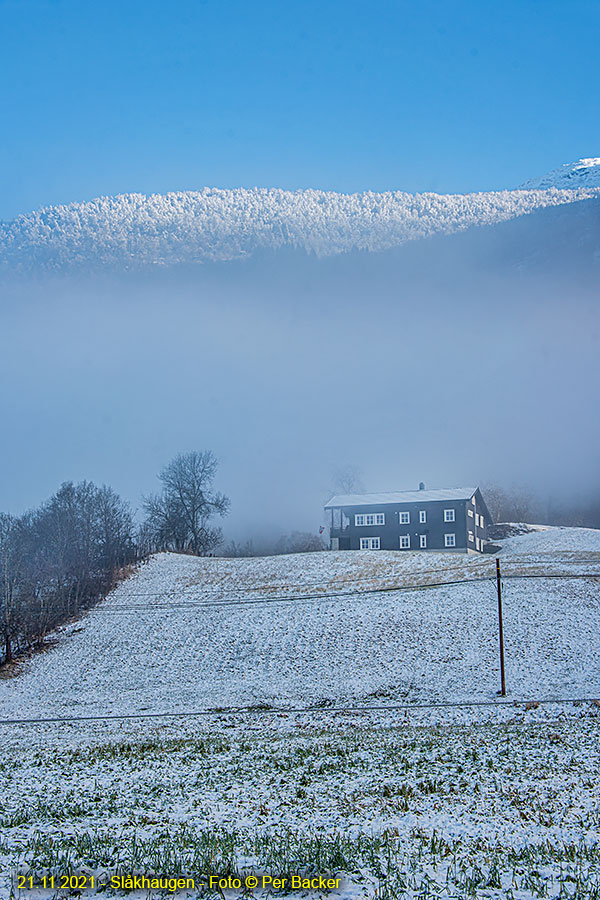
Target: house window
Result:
[[450, 540], [448, 515], [477, 543], [471, 536], [422, 541], [422, 516], [404, 518], [369, 519], [470, 512], [404, 541], [370, 543]]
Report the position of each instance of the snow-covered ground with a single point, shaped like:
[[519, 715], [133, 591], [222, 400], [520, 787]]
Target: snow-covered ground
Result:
[[328, 628], [583, 173], [495, 802]]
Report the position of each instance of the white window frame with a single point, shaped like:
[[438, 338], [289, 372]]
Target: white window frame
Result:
[[370, 543], [470, 512], [423, 541], [362, 520], [449, 515], [404, 521], [450, 540], [422, 516], [471, 536], [406, 539]]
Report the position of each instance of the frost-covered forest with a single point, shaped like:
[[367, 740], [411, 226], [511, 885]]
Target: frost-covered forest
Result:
[[135, 230]]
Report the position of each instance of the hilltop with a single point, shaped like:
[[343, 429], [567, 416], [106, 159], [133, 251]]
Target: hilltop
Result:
[[135, 231], [187, 633]]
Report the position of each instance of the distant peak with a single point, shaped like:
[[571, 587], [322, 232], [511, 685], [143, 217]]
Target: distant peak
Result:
[[585, 173]]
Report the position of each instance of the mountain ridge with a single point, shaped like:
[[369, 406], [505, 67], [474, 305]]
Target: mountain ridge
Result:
[[583, 173], [139, 230]]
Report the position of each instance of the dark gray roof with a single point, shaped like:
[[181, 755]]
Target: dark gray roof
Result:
[[400, 497]]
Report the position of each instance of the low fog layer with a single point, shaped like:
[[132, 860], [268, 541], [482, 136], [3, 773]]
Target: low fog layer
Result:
[[454, 360]]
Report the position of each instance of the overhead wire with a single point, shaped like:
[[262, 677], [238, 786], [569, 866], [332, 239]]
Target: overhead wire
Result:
[[325, 597], [300, 710]]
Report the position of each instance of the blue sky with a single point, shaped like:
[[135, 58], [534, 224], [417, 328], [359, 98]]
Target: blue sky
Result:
[[110, 97]]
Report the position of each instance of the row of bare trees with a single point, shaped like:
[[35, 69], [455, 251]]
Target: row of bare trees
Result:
[[58, 560], [61, 558]]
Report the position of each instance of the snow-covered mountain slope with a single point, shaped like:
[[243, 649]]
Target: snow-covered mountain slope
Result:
[[169, 638], [136, 231], [585, 173]]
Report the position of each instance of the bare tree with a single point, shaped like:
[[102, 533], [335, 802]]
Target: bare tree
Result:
[[509, 505], [59, 559], [299, 542], [347, 479], [9, 592], [180, 516]]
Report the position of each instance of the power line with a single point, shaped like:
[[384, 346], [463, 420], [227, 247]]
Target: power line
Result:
[[319, 710], [329, 596]]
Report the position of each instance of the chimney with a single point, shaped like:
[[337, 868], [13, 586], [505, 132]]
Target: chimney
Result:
[[421, 486]]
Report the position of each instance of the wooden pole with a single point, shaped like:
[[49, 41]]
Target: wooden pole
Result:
[[502, 690]]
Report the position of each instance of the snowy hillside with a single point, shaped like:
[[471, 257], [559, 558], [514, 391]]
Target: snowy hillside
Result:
[[505, 809], [189, 633], [585, 173], [134, 230]]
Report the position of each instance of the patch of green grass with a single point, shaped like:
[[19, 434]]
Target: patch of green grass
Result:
[[428, 867]]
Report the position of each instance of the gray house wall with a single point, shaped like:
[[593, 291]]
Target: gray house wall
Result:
[[347, 534]]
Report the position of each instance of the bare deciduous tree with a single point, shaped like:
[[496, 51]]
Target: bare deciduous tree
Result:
[[59, 559], [509, 505], [299, 542], [347, 479], [179, 518]]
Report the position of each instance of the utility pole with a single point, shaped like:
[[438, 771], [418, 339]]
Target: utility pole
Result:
[[502, 690]]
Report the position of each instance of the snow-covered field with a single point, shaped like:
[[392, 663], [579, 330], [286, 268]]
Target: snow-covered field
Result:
[[488, 801], [189, 634]]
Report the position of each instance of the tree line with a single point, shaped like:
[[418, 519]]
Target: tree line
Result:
[[58, 560], [61, 558]]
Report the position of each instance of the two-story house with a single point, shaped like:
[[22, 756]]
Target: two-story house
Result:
[[453, 520]]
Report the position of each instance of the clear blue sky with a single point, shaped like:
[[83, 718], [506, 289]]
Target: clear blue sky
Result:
[[108, 97]]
